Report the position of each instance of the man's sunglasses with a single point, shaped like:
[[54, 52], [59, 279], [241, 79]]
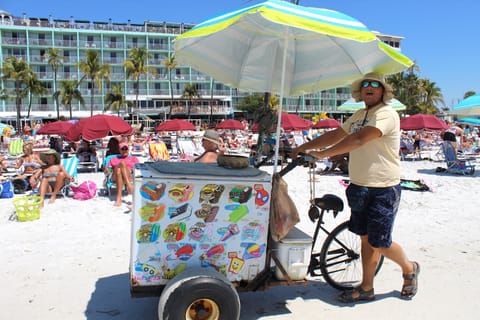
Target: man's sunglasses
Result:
[[373, 84], [124, 148]]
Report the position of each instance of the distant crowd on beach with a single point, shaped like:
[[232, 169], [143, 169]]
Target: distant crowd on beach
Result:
[[189, 146]]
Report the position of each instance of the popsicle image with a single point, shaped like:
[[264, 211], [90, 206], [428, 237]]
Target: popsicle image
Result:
[[237, 214]]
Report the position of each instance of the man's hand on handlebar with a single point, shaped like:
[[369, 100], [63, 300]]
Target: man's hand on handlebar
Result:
[[306, 157], [295, 152]]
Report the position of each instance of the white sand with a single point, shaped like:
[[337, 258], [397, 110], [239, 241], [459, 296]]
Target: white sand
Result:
[[72, 263]]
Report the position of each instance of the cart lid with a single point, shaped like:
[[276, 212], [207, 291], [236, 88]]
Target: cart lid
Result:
[[189, 169], [297, 236]]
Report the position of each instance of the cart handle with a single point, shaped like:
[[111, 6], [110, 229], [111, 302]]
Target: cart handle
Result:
[[302, 159]]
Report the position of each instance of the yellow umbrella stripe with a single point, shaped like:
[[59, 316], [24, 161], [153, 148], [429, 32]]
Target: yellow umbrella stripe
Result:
[[288, 19]]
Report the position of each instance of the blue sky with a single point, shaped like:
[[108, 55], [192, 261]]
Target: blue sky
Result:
[[439, 35]]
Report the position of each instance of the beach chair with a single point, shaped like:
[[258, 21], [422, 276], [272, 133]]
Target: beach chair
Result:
[[187, 149], [139, 150], [109, 183], [71, 166], [88, 162], [454, 164]]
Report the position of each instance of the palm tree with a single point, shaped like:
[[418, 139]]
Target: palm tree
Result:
[[16, 70], [170, 64], [469, 94], [136, 66], [69, 91], [116, 100], [95, 70], [55, 59], [431, 95], [33, 87], [190, 93]]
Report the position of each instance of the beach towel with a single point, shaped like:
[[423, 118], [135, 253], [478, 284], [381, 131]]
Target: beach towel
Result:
[[16, 147], [158, 151], [405, 184]]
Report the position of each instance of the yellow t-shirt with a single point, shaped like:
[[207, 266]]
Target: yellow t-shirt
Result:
[[376, 163]]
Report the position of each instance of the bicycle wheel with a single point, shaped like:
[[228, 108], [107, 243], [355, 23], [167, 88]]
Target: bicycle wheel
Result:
[[340, 259]]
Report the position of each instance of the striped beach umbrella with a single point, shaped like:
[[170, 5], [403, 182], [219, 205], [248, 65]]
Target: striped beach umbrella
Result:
[[351, 105], [283, 48], [307, 49]]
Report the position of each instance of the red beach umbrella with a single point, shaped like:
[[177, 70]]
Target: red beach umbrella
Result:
[[97, 127], [326, 123], [57, 127], [175, 125], [231, 124], [422, 121], [289, 122]]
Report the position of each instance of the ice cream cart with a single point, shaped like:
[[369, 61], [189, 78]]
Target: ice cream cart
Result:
[[200, 234], [204, 226]]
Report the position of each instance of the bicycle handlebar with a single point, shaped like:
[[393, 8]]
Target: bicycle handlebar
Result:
[[300, 160]]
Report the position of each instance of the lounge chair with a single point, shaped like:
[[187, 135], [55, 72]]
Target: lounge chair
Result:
[[109, 183], [71, 166], [87, 162], [454, 164]]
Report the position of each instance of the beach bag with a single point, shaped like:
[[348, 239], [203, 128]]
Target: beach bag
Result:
[[84, 191], [6, 189], [283, 212]]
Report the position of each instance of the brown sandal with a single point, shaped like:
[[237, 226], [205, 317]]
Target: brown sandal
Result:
[[410, 290], [348, 296]]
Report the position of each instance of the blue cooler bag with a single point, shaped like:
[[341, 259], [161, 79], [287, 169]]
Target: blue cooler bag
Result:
[[6, 189]]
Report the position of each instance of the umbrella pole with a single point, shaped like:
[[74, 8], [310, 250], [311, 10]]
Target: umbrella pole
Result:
[[279, 117]]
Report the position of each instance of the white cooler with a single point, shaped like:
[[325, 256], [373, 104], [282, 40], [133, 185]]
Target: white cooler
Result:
[[293, 252]]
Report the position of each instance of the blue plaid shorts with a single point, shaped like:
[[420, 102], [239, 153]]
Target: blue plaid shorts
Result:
[[373, 212]]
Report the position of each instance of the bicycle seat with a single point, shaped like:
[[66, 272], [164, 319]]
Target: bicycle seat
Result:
[[329, 202]]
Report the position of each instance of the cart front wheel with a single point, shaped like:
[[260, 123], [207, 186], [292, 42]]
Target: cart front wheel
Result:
[[199, 294]]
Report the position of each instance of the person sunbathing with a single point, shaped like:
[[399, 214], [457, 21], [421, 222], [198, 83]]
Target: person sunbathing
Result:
[[122, 167], [29, 161], [51, 177]]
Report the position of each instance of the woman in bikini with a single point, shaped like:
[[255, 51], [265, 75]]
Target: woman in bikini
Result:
[[52, 176], [30, 162]]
